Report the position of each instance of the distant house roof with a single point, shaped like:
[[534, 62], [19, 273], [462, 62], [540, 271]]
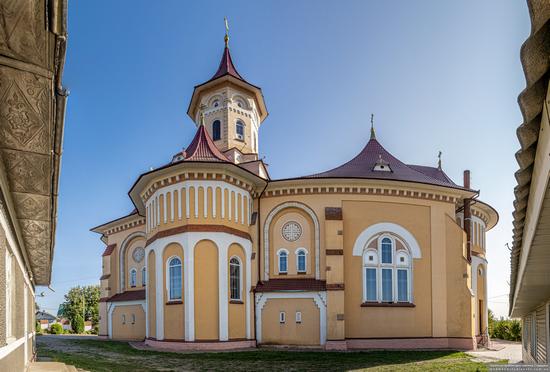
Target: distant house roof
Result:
[[364, 165], [108, 250], [42, 315], [277, 285]]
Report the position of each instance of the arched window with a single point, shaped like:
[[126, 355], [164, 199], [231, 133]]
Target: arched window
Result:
[[301, 257], [283, 261], [235, 279], [143, 277], [387, 270], [174, 278], [133, 277], [216, 130], [239, 129]]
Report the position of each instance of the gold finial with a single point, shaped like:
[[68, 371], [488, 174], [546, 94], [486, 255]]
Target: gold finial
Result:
[[226, 38], [439, 160], [372, 133]]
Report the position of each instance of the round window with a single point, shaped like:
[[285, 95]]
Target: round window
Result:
[[292, 231], [138, 254]]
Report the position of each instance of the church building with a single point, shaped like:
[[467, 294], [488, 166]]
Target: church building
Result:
[[217, 255]]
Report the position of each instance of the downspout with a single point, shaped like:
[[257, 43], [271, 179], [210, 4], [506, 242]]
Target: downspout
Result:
[[468, 218], [258, 258]]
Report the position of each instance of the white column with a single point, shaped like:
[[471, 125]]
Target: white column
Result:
[[214, 205], [159, 275], [249, 295], [222, 289], [189, 290]]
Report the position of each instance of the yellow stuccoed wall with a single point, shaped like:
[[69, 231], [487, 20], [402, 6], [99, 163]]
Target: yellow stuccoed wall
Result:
[[132, 264], [174, 314], [306, 240], [206, 291], [305, 333], [458, 301], [128, 331], [237, 313], [369, 322], [427, 221]]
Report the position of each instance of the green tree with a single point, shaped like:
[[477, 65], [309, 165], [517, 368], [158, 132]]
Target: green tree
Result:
[[56, 329], [81, 304], [78, 324]]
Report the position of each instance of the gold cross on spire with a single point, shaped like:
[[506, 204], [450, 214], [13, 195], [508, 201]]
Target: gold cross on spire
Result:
[[439, 159], [226, 38], [372, 133]]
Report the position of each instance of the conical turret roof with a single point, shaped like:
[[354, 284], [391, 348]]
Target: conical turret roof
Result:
[[201, 148]]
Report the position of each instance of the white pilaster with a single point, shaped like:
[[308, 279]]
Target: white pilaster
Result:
[[223, 289], [189, 290], [159, 265]]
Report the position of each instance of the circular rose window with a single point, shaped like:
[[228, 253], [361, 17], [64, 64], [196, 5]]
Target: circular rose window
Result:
[[292, 231], [138, 254]]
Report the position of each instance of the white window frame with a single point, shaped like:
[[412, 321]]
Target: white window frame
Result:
[[238, 123], [298, 317], [169, 293], [123, 318], [133, 279], [297, 253], [133, 318], [395, 266], [279, 261], [282, 317], [143, 276], [240, 279]]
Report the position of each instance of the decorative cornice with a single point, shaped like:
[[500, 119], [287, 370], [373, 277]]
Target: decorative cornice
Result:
[[377, 191], [197, 176], [198, 228]]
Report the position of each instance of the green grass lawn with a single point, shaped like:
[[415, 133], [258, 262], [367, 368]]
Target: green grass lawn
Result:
[[96, 355]]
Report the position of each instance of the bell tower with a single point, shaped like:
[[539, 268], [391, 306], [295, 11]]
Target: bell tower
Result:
[[233, 109]]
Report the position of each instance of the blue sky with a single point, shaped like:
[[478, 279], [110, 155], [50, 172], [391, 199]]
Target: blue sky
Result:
[[438, 75]]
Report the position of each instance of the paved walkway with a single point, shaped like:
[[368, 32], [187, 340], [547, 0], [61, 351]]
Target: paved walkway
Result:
[[500, 349]]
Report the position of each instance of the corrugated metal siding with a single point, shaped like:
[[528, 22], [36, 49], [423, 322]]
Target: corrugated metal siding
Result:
[[541, 334], [527, 333]]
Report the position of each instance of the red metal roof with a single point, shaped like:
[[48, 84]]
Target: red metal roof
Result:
[[128, 296], [226, 67], [202, 148], [362, 166], [276, 285], [109, 249]]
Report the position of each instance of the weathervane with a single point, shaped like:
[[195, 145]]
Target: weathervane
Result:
[[226, 38]]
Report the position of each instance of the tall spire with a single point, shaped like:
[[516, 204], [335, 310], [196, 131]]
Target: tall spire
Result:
[[372, 132], [226, 38]]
